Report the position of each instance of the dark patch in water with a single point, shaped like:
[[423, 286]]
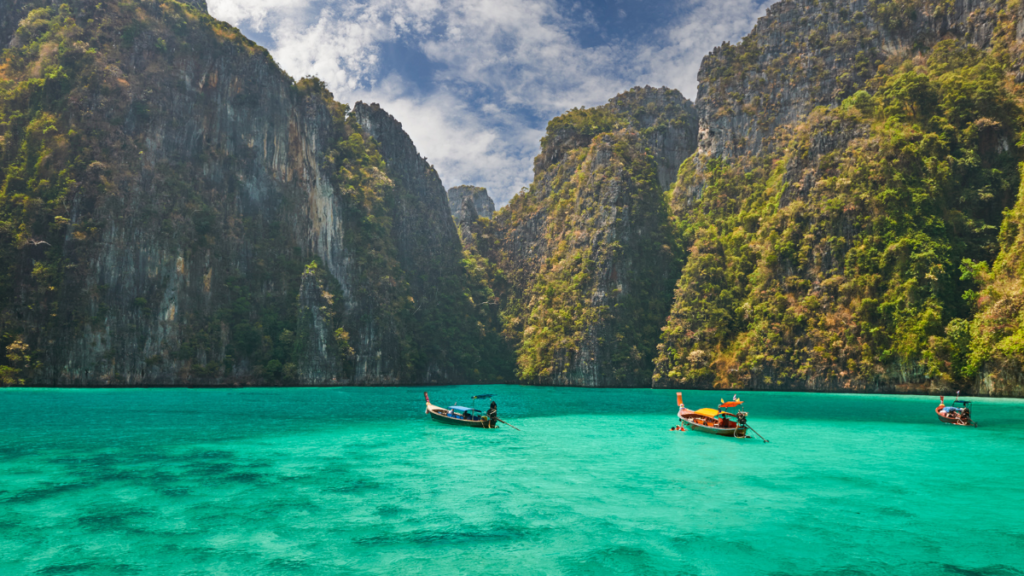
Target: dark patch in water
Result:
[[66, 568], [688, 544], [112, 520], [465, 535], [354, 486], [997, 570], [36, 494], [896, 512], [176, 491], [615, 560], [391, 511], [246, 478], [209, 468], [288, 564]]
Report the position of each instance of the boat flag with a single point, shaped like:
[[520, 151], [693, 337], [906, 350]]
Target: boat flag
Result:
[[732, 403]]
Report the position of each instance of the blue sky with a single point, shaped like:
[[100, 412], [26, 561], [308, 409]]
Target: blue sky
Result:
[[474, 82]]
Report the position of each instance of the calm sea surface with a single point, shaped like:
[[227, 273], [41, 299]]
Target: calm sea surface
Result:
[[360, 481]]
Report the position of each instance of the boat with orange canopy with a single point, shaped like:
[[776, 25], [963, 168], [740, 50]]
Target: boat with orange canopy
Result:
[[711, 421]]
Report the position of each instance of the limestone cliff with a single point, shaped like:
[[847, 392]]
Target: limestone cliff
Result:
[[850, 175], [178, 211], [468, 203], [586, 254]]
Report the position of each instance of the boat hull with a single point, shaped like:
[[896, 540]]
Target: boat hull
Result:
[[445, 419], [737, 432]]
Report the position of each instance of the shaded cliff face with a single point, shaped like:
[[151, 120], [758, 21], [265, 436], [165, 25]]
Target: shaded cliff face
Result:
[[828, 248], [995, 356], [165, 186], [454, 334], [586, 256]]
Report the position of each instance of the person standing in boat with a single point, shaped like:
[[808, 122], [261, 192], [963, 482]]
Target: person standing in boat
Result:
[[492, 415]]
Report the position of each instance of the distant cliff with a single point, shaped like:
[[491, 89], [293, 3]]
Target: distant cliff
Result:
[[469, 203], [177, 210], [587, 256]]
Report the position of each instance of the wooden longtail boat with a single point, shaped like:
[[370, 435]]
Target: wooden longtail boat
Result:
[[711, 421], [959, 414], [458, 415]]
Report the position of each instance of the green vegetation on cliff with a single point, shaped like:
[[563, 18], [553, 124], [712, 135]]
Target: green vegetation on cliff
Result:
[[837, 258], [996, 337], [586, 255], [577, 293]]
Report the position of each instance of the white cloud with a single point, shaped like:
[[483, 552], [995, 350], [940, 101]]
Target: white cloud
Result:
[[675, 61], [252, 13], [497, 65], [485, 146]]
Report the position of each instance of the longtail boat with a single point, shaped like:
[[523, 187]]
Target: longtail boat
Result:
[[458, 415], [712, 421], [958, 414]]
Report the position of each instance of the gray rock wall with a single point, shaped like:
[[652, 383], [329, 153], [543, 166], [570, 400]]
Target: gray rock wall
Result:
[[211, 196], [461, 198], [807, 53]]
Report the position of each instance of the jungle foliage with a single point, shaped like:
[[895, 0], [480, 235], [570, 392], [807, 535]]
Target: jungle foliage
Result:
[[584, 307], [841, 257]]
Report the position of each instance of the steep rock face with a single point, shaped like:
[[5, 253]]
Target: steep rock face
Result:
[[425, 232], [586, 255], [454, 338], [460, 198], [807, 53], [666, 121], [321, 353], [826, 247], [181, 182]]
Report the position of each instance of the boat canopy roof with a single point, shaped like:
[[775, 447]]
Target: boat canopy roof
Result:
[[459, 408], [709, 412], [964, 402]]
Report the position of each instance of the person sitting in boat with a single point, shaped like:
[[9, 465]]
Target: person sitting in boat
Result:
[[492, 414]]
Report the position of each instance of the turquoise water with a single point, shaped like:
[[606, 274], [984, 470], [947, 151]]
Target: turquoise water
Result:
[[360, 481]]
